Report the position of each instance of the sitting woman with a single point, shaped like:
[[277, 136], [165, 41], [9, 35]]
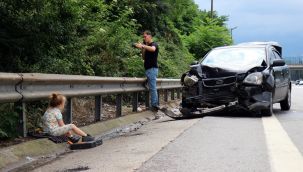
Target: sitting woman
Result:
[[53, 122]]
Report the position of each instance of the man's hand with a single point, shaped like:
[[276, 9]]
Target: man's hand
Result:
[[145, 47], [139, 45]]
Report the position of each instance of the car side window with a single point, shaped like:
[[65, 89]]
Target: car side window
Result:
[[271, 57], [277, 55]]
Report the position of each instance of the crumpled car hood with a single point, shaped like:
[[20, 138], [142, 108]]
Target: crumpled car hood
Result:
[[204, 71], [216, 72]]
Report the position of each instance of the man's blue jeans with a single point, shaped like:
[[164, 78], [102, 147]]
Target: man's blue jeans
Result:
[[151, 75]]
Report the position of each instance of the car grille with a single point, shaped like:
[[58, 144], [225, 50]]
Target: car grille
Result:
[[219, 90], [212, 90], [220, 95], [219, 82]]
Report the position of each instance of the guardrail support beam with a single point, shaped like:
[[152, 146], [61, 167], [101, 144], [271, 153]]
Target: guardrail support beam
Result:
[[178, 93], [158, 93], [165, 95], [135, 102], [98, 108], [172, 94], [147, 103], [20, 108], [119, 105], [68, 117]]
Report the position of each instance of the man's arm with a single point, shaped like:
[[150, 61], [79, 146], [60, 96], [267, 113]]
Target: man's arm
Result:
[[146, 47], [149, 48]]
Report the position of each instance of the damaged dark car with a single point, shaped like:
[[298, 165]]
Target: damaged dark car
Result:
[[248, 76]]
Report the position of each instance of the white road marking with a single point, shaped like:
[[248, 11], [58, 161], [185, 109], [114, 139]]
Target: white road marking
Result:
[[298, 86], [284, 155]]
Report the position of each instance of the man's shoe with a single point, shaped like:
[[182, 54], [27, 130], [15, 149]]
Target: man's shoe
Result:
[[74, 139], [155, 108], [87, 138]]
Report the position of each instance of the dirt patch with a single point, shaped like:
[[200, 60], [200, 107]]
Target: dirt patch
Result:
[[84, 111], [11, 142]]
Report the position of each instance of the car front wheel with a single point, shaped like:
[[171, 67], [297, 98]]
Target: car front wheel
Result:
[[268, 111], [286, 103]]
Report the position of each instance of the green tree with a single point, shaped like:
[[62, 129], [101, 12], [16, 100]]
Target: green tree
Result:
[[206, 37]]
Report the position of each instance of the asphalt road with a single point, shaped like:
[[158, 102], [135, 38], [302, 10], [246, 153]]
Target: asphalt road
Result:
[[232, 142]]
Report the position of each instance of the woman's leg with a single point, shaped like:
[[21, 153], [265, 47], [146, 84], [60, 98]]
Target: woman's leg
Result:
[[66, 130], [78, 130]]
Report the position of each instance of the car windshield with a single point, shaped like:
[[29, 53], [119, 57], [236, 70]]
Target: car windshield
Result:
[[235, 58]]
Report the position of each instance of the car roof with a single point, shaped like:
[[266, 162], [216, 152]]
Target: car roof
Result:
[[276, 45], [261, 43]]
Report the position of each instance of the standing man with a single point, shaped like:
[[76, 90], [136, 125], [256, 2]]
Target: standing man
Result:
[[150, 52]]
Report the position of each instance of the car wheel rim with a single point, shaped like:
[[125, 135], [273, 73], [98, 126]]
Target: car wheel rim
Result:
[[271, 107], [289, 97]]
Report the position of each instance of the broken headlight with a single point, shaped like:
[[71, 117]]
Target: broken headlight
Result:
[[254, 78], [190, 80]]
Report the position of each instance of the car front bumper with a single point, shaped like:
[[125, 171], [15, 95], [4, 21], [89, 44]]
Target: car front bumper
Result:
[[250, 98]]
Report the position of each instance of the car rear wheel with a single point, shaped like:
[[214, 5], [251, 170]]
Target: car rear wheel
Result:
[[269, 110], [286, 103]]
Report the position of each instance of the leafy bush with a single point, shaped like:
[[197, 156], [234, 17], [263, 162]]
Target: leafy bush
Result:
[[34, 112], [8, 122], [205, 38]]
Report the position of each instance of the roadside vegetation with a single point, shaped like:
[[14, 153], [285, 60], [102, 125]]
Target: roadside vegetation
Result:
[[94, 37]]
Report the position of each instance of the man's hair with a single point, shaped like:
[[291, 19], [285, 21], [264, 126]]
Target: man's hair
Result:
[[147, 32]]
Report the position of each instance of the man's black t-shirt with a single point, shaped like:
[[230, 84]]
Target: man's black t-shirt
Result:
[[151, 58]]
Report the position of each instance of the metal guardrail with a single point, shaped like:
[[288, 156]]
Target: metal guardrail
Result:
[[36, 86], [8, 82], [294, 60], [24, 87], [295, 66]]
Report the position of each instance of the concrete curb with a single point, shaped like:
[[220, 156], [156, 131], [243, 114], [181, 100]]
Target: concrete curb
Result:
[[18, 155]]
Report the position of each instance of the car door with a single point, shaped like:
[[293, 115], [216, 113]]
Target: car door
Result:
[[278, 77], [284, 78]]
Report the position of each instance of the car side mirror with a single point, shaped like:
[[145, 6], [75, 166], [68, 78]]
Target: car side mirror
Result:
[[278, 62], [194, 63]]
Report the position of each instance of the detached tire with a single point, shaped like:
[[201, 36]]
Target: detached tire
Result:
[[286, 103], [269, 110]]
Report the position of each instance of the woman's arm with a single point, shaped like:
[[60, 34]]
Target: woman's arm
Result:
[[60, 122]]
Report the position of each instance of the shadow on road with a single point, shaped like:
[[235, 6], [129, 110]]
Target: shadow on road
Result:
[[234, 114]]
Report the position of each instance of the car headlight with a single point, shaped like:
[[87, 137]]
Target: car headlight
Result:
[[190, 80], [254, 78]]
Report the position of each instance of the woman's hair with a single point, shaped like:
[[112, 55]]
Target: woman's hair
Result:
[[56, 99]]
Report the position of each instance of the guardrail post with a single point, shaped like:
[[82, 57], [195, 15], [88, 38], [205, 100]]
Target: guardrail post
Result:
[[165, 95], [178, 93], [135, 102], [119, 105], [147, 104], [98, 108], [172, 94], [20, 109], [68, 117], [158, 93]]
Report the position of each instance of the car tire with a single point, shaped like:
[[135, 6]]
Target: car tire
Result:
[[269, 110], [286, 103]]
